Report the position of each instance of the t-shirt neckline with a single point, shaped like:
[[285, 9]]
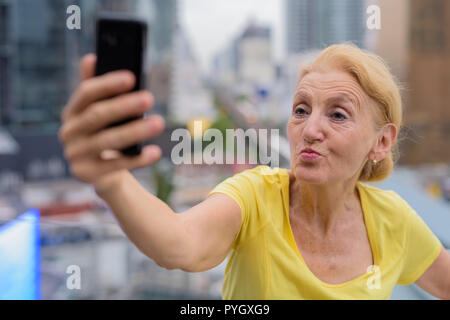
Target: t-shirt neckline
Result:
[[367, 214]]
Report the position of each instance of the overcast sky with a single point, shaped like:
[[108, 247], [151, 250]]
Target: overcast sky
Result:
[[212, 24]]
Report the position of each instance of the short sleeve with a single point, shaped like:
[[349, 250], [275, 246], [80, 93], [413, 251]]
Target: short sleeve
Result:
[[241, 188], [422, 247]]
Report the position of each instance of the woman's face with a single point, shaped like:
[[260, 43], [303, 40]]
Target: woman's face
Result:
[[332, 115]]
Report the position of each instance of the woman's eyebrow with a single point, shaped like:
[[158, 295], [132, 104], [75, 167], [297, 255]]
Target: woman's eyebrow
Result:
[[345, 98], [341, 97], [302, 95]]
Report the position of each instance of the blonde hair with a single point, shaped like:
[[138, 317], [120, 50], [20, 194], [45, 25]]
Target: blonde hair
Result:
[[375, 78]]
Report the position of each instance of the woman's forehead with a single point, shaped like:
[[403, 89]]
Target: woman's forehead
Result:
[[338, 84], [329, 79]]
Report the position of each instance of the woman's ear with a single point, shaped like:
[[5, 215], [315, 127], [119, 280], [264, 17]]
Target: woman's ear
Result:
[[385, 141]]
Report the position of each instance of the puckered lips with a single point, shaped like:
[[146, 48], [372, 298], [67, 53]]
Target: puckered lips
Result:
[[309, 154]]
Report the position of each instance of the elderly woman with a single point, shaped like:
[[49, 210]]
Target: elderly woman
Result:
[[315, 231]]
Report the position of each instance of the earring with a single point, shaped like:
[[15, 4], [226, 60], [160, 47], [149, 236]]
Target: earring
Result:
[[374, 162]]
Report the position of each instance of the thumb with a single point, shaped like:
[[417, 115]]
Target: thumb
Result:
[[87, 66]]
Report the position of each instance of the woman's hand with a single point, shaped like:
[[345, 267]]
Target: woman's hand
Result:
[[90, 150]]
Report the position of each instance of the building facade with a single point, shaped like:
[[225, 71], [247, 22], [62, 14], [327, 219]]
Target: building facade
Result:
[[315, 24], [39, 69], [427, 112], [255, 63]]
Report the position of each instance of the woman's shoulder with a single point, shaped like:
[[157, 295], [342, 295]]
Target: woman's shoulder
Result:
[[269, 176], [265, 173], [381, 194], [385, 203], [260, 179]]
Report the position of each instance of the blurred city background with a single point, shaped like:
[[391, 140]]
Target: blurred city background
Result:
[[230, 64]]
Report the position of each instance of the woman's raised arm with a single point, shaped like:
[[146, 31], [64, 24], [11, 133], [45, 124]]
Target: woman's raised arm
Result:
[[195, 240], [436, 279], [211, 227]]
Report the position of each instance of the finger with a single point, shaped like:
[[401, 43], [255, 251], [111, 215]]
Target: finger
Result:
[[87, 66], [97, 88], [98, 167], [149, 155], [110, 154], [87, 70], [106, 112], [115, 138]]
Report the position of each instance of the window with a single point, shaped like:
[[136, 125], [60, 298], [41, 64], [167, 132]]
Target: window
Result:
[[3, 23], [427, 32]]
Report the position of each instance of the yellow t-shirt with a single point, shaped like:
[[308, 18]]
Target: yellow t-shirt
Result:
[[265, 263]]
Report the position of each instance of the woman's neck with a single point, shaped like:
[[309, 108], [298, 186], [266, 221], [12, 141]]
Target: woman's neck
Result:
[[321, 207]]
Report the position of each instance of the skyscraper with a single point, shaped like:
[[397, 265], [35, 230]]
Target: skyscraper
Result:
[[34, 62], [392, 40], [163, 27], [254, 55], [426, 112], [6, 55], [314, 24], [39, 58], [164, 17]]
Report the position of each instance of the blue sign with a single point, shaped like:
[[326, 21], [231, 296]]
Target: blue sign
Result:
[[20, 258]]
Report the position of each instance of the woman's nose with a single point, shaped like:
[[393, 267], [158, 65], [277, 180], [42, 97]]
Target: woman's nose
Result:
[[314, 128]]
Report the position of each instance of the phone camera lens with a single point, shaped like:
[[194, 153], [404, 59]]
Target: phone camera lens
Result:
[[110, 40]]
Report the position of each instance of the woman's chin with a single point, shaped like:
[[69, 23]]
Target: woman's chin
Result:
[[310, 175]]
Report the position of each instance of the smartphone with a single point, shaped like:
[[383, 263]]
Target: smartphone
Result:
[[121, 44]]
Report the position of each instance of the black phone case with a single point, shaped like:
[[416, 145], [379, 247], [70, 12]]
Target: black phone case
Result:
[[121, 44]]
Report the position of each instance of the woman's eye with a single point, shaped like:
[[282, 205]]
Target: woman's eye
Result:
[[338, 116], [300, 111]]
